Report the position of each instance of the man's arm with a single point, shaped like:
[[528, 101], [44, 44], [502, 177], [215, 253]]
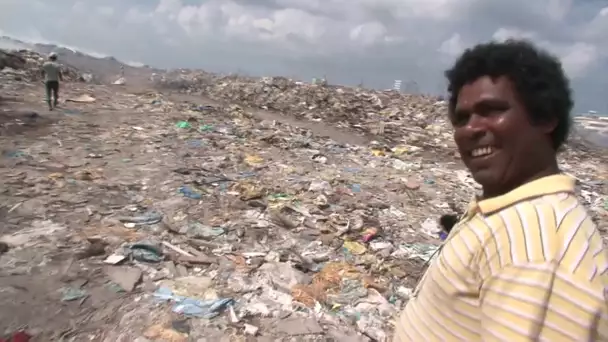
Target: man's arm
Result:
[[540, 302]]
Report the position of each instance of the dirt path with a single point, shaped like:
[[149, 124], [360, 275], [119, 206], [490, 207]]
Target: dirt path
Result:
[[40, 274]]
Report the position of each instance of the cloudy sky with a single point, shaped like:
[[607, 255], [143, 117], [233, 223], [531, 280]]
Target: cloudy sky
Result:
[[348, 41]]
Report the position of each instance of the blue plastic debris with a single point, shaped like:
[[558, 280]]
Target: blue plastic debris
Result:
[[194, 143], [13, 154], [193, 307], [147, 218], [72, 112], [352, 169], [202, 108], [246, 174], [69, 294], [189, 192], [146, 252]]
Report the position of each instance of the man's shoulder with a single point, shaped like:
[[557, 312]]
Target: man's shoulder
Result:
[[537, 229], [567, 211], [546, 211]]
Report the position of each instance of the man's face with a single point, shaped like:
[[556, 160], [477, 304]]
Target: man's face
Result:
[[495, 137]]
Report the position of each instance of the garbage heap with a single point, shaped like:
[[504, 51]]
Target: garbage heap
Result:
[[248, 229], [25, 65], [389, 116]]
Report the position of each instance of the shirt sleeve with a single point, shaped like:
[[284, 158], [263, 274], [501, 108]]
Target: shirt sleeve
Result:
[[540, 302]]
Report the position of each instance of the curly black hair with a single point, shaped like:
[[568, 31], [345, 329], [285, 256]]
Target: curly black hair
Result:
[[537, 75]]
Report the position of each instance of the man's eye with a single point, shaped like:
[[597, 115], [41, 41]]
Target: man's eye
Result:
[[497, 111], [492, 110], [460, 120]]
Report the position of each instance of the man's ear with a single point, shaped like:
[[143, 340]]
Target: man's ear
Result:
[[548, 126]]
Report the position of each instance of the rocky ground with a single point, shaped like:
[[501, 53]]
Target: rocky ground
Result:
[[206, 208]]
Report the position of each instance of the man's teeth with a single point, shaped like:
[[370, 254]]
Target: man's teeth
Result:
[[480, 152]]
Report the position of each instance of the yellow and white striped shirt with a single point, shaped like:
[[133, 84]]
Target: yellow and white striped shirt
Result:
[[526, 266]]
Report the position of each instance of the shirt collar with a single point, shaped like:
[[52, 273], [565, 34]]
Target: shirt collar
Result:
[[543, 186]]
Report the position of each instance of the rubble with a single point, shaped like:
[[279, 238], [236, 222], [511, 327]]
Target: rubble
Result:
[[174, 217], [25, 65], [388, 115]]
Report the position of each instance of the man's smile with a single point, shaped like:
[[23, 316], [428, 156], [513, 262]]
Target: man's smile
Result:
[[481, 151]]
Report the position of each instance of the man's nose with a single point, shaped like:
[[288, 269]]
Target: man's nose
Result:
[[476, 127]]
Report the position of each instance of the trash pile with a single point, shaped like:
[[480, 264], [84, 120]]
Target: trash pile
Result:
[[25, 65], [387, 115], [155, 217]]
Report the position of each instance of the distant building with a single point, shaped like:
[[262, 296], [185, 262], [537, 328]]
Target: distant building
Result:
[[397, 85]]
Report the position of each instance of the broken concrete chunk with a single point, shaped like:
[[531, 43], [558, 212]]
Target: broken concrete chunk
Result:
[[294, 326], [251, 329], [114, 259], [125, 277], [283, 275]]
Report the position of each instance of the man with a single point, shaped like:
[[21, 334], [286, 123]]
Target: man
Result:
[[51, 71], [525, 262]]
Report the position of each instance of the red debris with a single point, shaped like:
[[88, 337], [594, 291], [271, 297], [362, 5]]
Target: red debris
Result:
[[20, 336]]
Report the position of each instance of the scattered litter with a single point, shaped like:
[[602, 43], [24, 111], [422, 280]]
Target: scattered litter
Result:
[[13, 154], [147, 218], [417, 250], [125, 277], [120, 81], [299, 326], [114, 259], [20, 336], [193, 307], [160, 333], [189, 192], [200, 231], [82, 99], [70, 294], [431, 228], [254, 160], [369, 234], [251, 330], [183, 124], [146, 251], [68, 111], [354, 247]]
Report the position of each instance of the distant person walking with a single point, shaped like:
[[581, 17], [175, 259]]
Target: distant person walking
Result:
[[51, 71]]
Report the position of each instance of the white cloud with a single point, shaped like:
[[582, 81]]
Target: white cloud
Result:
[[105, 11], [136, 16], [558, 9], [288, 23], [578, 58], [452, 46], [427, 9], [597, 29], [171, 7], [368, 33], [505, 33]]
